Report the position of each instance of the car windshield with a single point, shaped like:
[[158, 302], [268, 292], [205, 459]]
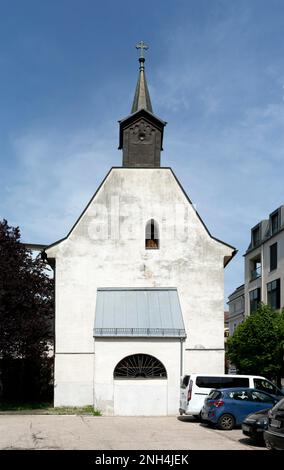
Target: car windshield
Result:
[[280, 405], [262, 412], [261, 397], [266, 386]]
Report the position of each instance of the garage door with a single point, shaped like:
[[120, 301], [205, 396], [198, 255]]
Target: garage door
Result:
[[140, 387]]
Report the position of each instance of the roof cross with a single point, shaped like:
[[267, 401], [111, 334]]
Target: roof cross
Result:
[[142, 46]]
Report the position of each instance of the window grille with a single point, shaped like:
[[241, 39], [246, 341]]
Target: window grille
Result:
[[141, 366]]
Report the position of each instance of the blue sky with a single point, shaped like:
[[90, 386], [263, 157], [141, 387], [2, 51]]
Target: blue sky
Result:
[[215, 70]]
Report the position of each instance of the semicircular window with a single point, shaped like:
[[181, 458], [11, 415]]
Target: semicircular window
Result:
[[140, 366]]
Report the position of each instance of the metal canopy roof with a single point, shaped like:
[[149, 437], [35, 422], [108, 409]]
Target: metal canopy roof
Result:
[[138, 312]]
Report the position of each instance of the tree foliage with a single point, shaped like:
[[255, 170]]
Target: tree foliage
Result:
[[257, 346], [26, 318]]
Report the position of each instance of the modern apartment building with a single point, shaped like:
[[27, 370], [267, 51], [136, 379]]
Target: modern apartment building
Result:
[[264, 270], [236, 305], [264, 263]]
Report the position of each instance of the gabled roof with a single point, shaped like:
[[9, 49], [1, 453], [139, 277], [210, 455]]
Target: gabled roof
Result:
[[141, 113], [239, 291], [34, 246], [227, 258]]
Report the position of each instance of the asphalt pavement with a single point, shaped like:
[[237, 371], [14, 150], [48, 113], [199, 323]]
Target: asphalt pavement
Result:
[[117, 433]]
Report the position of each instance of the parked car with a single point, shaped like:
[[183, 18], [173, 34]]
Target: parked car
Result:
[[274, 436], [228, 408], [255, 424], [196, 387]]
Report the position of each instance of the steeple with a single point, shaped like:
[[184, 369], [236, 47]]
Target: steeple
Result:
[[142, 97], [141, 133]]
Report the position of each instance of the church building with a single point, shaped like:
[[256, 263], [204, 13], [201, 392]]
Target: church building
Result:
[[139, 283]]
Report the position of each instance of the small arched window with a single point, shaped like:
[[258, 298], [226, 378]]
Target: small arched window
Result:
[[140, 366], [152, 241]]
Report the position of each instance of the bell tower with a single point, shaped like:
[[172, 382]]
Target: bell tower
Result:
[[141, 133]]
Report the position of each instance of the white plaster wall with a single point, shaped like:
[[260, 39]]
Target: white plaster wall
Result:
[[204, 362], [74, 375], [109, 352], [97, 254], [141, 397]]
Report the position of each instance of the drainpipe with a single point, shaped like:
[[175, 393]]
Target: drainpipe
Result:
[[262, 273], [181, 356]]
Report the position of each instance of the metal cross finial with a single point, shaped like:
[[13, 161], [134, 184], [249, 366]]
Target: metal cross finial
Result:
[[142, 46]]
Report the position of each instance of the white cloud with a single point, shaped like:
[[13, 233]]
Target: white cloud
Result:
[[56, 176], [224, 140]]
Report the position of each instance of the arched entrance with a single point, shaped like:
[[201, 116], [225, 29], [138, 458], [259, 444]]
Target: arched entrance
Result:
[[140, 386]]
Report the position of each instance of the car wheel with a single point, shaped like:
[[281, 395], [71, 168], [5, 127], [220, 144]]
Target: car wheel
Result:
[[226, 422]]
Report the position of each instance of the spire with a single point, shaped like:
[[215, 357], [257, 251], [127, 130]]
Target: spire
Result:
[[142, 97], [141, 133]]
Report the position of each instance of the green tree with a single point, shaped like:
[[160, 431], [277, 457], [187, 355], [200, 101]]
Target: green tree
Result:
[[257, 346], [26, 319]]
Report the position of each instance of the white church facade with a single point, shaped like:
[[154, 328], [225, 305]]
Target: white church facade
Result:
[[139, 284]]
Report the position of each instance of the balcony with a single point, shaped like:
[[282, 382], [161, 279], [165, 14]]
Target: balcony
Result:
[[255, 273]]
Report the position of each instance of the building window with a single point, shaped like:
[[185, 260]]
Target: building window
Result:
[[256, 236], [273, 256], [152, 241], [254, 299], [273, 294], [140, 366], [275, 222], [255, 268]]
